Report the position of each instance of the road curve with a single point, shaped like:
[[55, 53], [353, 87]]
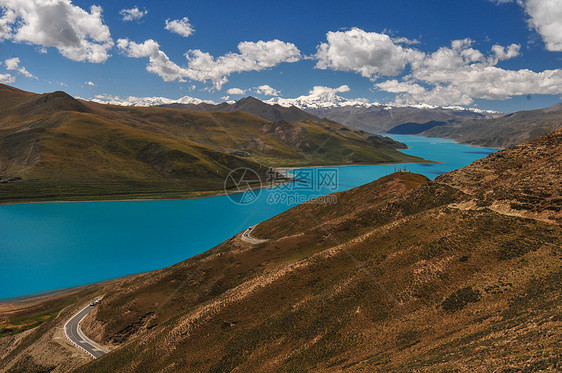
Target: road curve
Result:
[[246, 236], [75, 335]]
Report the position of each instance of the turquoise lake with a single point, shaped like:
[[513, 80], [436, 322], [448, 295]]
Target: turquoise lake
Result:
[[47, 246]]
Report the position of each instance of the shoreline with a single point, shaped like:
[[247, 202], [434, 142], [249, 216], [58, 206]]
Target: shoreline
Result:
[[457, 142], [207, 194], [210, 194], [46, 295]]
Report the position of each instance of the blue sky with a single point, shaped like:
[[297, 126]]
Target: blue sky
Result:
[[507, 55]]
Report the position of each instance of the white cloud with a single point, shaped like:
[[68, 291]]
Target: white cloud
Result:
[[461, 73], [394, 86], [452, 75], [7, 79], [159, 62], [13, 64], [505, 53], [545, 16], [90, 84], [253, 56], [133, 14], [180, 26], [235, 91], [77, 34], [266, 90], [414, 94], [203, 67], [369, 53], [458, 74], [317, 90], [405, 41]]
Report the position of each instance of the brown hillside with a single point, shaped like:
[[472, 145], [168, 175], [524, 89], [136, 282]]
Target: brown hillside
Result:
[[400, 274]]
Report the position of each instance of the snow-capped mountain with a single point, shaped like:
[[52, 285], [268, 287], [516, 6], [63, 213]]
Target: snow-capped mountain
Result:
[[147, 101], [327, 98], [320, 100]]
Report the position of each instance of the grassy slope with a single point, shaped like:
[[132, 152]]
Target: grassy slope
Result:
[[68, 149], [461, 273]]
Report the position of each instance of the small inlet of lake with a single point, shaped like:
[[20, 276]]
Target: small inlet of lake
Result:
[[47, 246]]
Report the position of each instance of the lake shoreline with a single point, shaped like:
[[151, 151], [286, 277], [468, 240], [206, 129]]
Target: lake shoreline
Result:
[[181, 228], [208, 194], [50, 294], [459, 142]]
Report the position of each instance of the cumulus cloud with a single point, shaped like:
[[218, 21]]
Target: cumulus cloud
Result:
[[452, 75], [505, 53], [402, 40], [7, 79], [201, 66], [90, 84], [159, 63], [457, 74], [394, 86], [13, 64], [253, 56], [267, 90], [545, 16], [368, 53], [318, 90], [78, 34], [235, 91], [469, 72], [133, 14], [180, 26]]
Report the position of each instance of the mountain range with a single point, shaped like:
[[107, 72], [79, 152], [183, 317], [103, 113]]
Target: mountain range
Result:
[[271, 112], [356, 113], [53, 146], [461, 273], [475, 127], [472, 126]]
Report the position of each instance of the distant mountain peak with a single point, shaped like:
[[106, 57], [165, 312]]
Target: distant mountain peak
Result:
[[249, 98], [147, 101], [330, 99]]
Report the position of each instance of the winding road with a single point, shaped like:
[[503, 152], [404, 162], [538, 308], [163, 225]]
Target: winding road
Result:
[[246, 236], [76, 336]]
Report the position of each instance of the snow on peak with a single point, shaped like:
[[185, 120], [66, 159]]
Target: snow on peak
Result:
[[321, 97], [327, 98], [147, 101]]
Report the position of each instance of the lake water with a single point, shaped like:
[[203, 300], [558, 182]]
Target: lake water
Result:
[[46, 246]]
